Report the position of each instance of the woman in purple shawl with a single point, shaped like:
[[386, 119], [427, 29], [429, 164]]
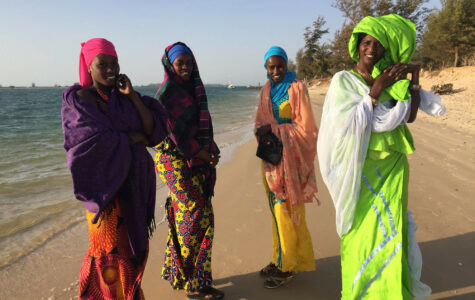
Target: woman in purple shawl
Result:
[[107, 126], [187, 161]]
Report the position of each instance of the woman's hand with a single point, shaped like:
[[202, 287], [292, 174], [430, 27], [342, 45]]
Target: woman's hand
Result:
[[398, 71], [124, 85], [392, 74], [211, 158], [412, 68], [266, 139], [263, 130]]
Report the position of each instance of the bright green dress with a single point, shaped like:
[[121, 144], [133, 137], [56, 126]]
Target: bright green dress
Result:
[[374, 252]]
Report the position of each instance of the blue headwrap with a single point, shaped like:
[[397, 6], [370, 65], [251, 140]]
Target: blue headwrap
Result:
[[176, 51], [279, 90]]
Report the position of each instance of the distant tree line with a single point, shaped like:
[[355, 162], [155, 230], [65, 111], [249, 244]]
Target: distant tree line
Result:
[[446, 36]]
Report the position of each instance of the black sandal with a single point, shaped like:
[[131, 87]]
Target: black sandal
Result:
[[207, 293], [278, 279], [268, 270]]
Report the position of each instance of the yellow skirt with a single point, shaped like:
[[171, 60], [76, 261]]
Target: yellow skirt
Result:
[[292, 248]]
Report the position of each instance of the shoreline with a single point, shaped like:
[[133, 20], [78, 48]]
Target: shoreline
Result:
[[62, 254], [440, 196]]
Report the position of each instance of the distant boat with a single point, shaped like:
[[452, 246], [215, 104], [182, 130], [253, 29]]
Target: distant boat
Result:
[[231, 86]]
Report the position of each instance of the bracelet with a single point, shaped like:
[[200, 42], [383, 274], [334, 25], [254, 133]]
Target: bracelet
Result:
[[415, 87], [374, 101]]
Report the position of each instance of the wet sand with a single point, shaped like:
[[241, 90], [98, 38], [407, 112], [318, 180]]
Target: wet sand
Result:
[[441, 197]]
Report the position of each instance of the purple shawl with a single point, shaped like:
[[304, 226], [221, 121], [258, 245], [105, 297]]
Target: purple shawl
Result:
[[104, 165]]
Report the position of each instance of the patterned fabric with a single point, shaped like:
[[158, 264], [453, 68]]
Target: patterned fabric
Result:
[[374, 252], [189, 120], [292, 248], [293, 178], [110, 271], [186, 101], [104, 165], [282, 110], [190, 217]]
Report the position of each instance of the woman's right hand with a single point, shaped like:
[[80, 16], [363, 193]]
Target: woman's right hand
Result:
[[389, 76], [263, 130], [266, 139], [392, 74]]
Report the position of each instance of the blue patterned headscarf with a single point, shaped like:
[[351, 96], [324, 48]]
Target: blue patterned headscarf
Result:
[[279, 90], [176, 51]]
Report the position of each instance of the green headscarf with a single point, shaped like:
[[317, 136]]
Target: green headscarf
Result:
[[398, 37]]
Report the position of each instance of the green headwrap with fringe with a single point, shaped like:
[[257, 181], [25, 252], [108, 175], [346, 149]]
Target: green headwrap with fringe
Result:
[[398, 37]]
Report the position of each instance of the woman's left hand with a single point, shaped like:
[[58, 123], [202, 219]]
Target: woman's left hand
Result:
[[214, 160], [400, 70], [263, 130], [124, 85], [412, 68], [206, 156]]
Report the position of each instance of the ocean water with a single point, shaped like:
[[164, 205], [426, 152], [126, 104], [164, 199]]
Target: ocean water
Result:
[[36, 200]]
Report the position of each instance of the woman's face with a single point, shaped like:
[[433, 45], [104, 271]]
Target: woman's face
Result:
[[104, 69], [276, 68], [183, 66], [370, 50]]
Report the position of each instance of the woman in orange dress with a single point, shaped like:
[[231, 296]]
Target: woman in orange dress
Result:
[[107, 126]]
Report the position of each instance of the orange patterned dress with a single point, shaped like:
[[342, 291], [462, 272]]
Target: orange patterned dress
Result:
[[110, 271]]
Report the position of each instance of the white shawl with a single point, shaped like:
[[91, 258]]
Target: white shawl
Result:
[[348, 119]]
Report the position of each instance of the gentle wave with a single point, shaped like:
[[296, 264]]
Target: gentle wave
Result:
[[36, 198], [23, 242], [28, 220]]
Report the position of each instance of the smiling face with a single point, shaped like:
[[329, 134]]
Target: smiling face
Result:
[[276, 68], [183, 66], [370, 50], [104, 70]]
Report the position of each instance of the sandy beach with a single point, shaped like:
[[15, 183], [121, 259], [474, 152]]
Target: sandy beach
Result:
[[441, 197]]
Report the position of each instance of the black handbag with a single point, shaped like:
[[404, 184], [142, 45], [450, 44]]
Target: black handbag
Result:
[[270, 151]]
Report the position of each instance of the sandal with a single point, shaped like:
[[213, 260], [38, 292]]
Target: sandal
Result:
[[278, 279], [268, 270], [207, 293]]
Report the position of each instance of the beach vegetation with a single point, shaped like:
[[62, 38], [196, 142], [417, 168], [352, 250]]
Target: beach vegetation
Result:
[[291, 65], [445, 37], [449, 36], [312, 59]]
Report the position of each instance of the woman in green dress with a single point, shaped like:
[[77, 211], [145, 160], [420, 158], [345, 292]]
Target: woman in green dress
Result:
[[362, 148]]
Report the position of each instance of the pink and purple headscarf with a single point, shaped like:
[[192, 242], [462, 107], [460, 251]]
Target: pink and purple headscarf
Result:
[[89, 50]]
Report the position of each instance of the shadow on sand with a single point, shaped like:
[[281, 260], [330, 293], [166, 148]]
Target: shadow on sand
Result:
[[449, 264]]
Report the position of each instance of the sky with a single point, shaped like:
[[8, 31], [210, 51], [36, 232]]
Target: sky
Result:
[[40, 40]]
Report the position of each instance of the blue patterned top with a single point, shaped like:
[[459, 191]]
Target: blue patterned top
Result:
[[276, 108]]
